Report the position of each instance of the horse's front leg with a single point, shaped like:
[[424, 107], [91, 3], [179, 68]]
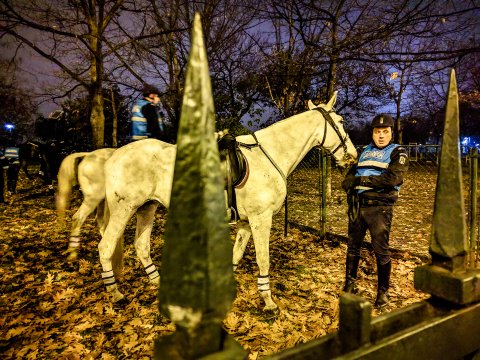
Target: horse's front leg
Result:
[[261, 226], [100, 217], [145, 217], [241, 241]]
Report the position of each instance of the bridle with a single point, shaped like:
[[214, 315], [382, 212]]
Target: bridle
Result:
[[328, 118], [343, 140]]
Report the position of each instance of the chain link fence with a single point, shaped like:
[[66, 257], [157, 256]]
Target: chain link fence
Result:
[[411, 227]]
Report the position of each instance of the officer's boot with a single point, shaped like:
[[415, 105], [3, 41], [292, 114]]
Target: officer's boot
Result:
[[383, 283], [11, 185], [351, 273]]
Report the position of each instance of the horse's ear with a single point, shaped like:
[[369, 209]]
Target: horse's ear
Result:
[[332, 101], [311, 106]]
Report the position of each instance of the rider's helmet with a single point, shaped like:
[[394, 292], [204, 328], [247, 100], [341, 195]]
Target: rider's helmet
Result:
[[382, 120], [150, 89]]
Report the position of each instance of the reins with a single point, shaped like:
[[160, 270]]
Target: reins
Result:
[[343, 140], [353, 202], [328, 119], [257, 143]]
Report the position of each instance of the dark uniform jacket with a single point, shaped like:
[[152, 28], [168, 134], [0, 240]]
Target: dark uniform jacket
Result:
[[378, 174]]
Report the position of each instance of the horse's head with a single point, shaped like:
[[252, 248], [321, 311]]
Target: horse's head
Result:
[[333, 136]]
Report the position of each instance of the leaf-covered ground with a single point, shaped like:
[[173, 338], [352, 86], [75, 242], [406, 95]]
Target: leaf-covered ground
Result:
[[51, 309]]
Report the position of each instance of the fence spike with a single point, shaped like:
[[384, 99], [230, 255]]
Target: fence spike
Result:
[[197, 285], [448, 239], [447, 277]]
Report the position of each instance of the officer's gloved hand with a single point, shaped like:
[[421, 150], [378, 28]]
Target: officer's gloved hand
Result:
[[350, 182]]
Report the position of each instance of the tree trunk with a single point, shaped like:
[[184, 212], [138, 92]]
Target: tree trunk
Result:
[[398, 126], [97, 119], [115, 121]]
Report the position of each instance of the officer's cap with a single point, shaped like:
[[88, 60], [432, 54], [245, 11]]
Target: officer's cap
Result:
[[382, 120], [150, 89]]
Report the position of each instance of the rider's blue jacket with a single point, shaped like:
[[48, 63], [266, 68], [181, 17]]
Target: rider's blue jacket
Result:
[[140, 126], [381, 172], [12, 154]]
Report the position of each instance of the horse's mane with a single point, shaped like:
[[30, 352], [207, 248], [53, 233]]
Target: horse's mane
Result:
[[279, 122]]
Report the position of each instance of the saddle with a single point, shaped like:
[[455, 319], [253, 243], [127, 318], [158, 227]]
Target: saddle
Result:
[[235, 170]]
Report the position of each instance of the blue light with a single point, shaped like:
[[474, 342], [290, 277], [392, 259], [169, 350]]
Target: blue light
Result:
[[466, 140], [9, 127]]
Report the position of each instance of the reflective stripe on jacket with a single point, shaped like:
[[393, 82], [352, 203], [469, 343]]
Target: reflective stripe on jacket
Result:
[[139, 122], [12, 154], [374, 161]]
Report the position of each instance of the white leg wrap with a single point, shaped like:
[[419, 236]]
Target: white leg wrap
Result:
[[152, 271], [74, 241], [263, 283], [108, 278]]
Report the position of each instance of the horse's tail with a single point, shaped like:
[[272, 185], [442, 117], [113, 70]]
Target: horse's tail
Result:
[[67, 178]]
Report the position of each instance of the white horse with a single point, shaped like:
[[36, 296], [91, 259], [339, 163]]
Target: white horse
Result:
[[86, 169], [139, 176]]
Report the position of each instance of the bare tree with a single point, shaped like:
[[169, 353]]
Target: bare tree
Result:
[[82, 38], [231, 47], [347, 33]]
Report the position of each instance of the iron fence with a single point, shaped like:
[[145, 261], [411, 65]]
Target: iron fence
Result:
[[310, 208]]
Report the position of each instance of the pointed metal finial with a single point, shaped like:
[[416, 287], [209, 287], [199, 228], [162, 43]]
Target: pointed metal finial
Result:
[[447, 277], [449, 239], [197, 285]]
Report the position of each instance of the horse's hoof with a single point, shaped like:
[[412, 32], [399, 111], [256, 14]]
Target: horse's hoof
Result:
[[121, 304], [270, 313], [71, 266]]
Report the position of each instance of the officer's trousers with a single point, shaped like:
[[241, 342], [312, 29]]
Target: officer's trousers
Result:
[[378, 220]]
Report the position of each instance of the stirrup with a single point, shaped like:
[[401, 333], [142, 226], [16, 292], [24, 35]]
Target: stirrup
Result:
[[233, 216]]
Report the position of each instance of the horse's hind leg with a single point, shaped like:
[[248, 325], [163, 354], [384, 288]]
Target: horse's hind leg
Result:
[[24, 167], [108, 247], [85, 209], [241, 241], [145, 216], [261, 226]]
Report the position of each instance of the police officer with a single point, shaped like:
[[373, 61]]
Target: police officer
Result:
[[146, 121], [3, 164], [372, 186], [12, 154]]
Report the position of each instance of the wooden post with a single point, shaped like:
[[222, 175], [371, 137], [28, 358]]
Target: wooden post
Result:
[[197, 286], [323, 195], [473, 205], [355, 322], [446, 277]]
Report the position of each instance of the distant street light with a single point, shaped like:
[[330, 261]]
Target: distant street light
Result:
[[9, 127]]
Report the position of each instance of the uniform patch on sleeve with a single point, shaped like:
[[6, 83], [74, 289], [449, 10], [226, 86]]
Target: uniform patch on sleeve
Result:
[[402, 159]]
